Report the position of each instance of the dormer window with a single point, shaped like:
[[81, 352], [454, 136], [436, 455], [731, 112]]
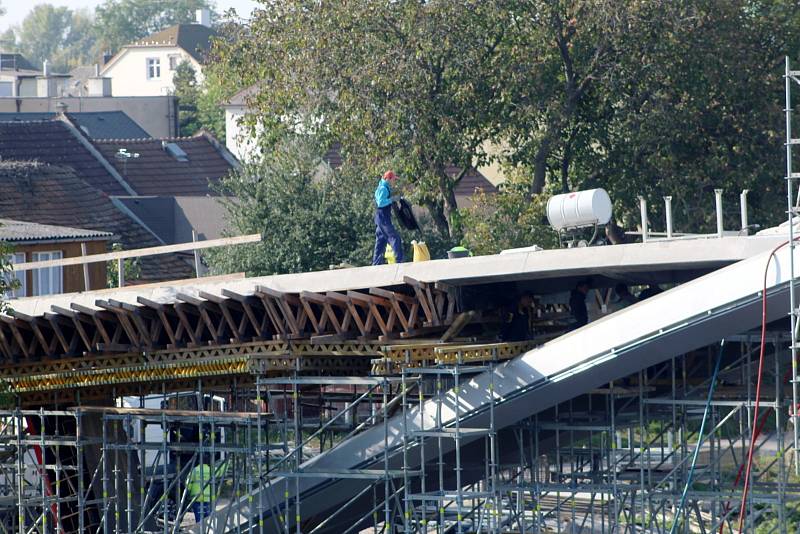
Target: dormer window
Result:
[[153, 68]]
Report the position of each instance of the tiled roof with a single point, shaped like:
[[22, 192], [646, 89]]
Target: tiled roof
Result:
[[194, 38], [157, 172], [53, 142], [241, 98], [21, 231], [47, 194], [96, 124], [15, 62]]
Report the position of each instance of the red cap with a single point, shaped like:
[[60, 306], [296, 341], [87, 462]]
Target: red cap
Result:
[[389, 175]]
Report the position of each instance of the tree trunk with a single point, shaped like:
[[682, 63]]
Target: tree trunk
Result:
[[449, 205], [439, 217], [566, 160], [540, 167]]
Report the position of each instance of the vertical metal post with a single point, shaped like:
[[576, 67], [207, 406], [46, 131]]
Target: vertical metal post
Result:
[[196, 256], [643, 211], [121, 272], [743, 209], [668, 213], [86, 282], [790, 214], [718, 204]]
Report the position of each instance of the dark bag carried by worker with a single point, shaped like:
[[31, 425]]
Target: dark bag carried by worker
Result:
[[402, 210]]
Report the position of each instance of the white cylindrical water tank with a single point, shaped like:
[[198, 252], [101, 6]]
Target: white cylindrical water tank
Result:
[[581, 208]]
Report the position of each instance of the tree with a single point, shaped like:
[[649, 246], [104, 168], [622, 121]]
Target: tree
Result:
[[131, 268], [186, 90], [406, 84], [507, 219], [704, 111], [57, 34], [8, 40], [651, 98], [7, 280], [216, 90], [43, 32], [310, 217], [119, 22]]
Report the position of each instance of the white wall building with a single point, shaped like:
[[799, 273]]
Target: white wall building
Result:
[[237, 138], [147, 67]]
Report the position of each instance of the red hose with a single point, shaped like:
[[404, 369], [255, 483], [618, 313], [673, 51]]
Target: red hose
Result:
[[755, 432]]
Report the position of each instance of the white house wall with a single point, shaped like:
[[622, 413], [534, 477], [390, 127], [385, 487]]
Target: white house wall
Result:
[[237, 138], [129, 72]]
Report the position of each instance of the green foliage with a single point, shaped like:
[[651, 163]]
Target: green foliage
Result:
[[508, 219], [57, 34], [216, 89], [400, 83], [119, 22], [653, 98], [7, 281], [309, 216], [186, 90], [131, 268]]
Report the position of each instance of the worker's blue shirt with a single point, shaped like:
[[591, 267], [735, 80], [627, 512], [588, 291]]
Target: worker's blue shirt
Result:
[[383, 194]]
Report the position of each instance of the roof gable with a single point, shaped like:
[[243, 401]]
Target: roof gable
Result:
[[195, 39]]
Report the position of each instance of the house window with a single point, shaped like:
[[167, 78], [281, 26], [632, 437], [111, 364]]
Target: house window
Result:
[[174, 61], [153, 68], [47, 281], [21, 290]]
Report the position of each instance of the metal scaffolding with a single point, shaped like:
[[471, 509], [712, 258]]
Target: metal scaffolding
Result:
[[614, 459]]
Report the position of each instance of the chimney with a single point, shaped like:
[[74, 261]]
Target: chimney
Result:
[[107, 57], [46, 86], [203, 16], [98, 86], [61, 108]]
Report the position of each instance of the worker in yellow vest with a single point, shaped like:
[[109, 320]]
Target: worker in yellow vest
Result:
[[200, 487]]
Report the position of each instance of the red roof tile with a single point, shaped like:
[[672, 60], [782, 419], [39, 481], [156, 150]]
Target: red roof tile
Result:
[[158, 173]]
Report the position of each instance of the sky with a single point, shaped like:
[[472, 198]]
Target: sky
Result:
[[17, 9]]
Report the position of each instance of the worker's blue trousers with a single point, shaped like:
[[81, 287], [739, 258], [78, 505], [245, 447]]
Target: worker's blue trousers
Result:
[[385, 232]]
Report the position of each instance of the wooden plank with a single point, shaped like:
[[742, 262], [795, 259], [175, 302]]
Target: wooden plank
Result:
[[32, 323], [462, 320], [77, 323], [6, 347], [17, 335], [222, 304], [53, 320], [135, 313], [122, 320], [246, 302], [138, 253]]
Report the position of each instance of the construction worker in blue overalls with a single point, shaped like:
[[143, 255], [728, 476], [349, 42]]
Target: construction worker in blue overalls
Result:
[[385, 231]]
